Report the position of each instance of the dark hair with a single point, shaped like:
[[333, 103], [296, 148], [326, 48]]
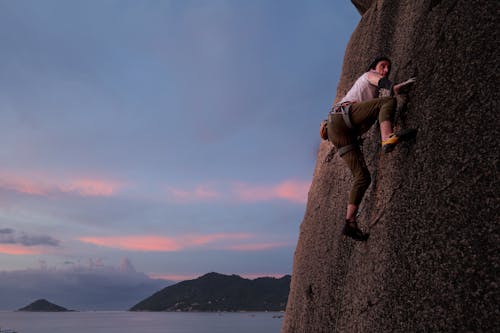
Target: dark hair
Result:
[[379, 59]]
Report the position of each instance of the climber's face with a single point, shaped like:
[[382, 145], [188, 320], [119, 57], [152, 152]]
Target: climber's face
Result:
[[383, 67]]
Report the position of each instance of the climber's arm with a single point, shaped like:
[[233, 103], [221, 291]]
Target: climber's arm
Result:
[[403, 87], [382, 82]]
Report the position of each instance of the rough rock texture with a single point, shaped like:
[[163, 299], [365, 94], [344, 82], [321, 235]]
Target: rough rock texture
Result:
[[431, 263], [362, 5]]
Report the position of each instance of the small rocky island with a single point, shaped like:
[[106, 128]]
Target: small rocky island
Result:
[[42, 305]]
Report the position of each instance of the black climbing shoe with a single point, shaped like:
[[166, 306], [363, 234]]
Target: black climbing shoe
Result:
[[395, 138], [351, 230]]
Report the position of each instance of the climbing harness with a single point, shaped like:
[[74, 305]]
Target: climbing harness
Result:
[[344, 109], [345, 149]]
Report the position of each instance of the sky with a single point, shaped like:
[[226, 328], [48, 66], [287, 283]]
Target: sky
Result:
[[179, 137]]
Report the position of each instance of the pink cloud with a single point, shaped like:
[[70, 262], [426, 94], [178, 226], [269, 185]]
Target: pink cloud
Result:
[[24, 185], [136, 243], [41, 185], [91, 187], [291, 190], [205, 239], [199, 193], [159, 243], [16, 249]]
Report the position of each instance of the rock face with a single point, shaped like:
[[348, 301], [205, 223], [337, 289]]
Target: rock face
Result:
[[431, 262]]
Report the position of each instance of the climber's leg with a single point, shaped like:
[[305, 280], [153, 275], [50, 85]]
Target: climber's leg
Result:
[[352, 210], [390, 139], [385, 129], [356, 163], [364, 114], [341, 136], [393, 139]]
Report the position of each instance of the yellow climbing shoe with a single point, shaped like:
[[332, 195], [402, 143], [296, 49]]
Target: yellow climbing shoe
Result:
[[395, 138], [389, 144]]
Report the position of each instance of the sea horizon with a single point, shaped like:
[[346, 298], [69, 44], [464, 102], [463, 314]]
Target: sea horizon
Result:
[[114, 321]]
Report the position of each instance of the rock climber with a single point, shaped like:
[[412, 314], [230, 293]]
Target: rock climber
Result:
[[369, 99]]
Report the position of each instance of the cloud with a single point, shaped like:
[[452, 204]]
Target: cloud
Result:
[[136, 243], [90, 187], [42, 185], [20, 243], [126, 265], [289, 190], [88, 286], [199, 193], [150, 243], [25, 186], [15, 249]]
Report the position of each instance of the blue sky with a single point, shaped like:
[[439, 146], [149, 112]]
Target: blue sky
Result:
[[180, 136]]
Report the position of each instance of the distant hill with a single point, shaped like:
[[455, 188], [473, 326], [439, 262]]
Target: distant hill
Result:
[[218, 292], [43, 305]]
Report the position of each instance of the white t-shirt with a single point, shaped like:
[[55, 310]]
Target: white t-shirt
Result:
[[361, 91]]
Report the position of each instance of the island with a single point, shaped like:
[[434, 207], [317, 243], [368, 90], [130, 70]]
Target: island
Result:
[[219, 292], [42, 305]]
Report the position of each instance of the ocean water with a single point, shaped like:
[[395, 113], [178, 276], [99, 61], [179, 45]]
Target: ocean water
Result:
[[141, 322]]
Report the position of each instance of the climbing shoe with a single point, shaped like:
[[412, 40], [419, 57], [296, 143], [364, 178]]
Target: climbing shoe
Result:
[[395, 138], [351, 230]]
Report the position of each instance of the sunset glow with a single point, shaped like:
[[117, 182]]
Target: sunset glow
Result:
[[200, 193], [291, 190], [41, 185], [91, 187], [15, 249], [23, 185], [159, 243], [136, 243]]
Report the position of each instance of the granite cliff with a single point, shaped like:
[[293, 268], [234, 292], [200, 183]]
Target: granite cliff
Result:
[[431, 262]]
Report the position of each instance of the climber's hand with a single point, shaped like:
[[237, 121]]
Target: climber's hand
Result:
[[403, 87]]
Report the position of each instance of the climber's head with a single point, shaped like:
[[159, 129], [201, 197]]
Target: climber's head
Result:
[[381, 65]]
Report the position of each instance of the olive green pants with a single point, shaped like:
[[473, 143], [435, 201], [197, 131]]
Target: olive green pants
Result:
[[363, 116]]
